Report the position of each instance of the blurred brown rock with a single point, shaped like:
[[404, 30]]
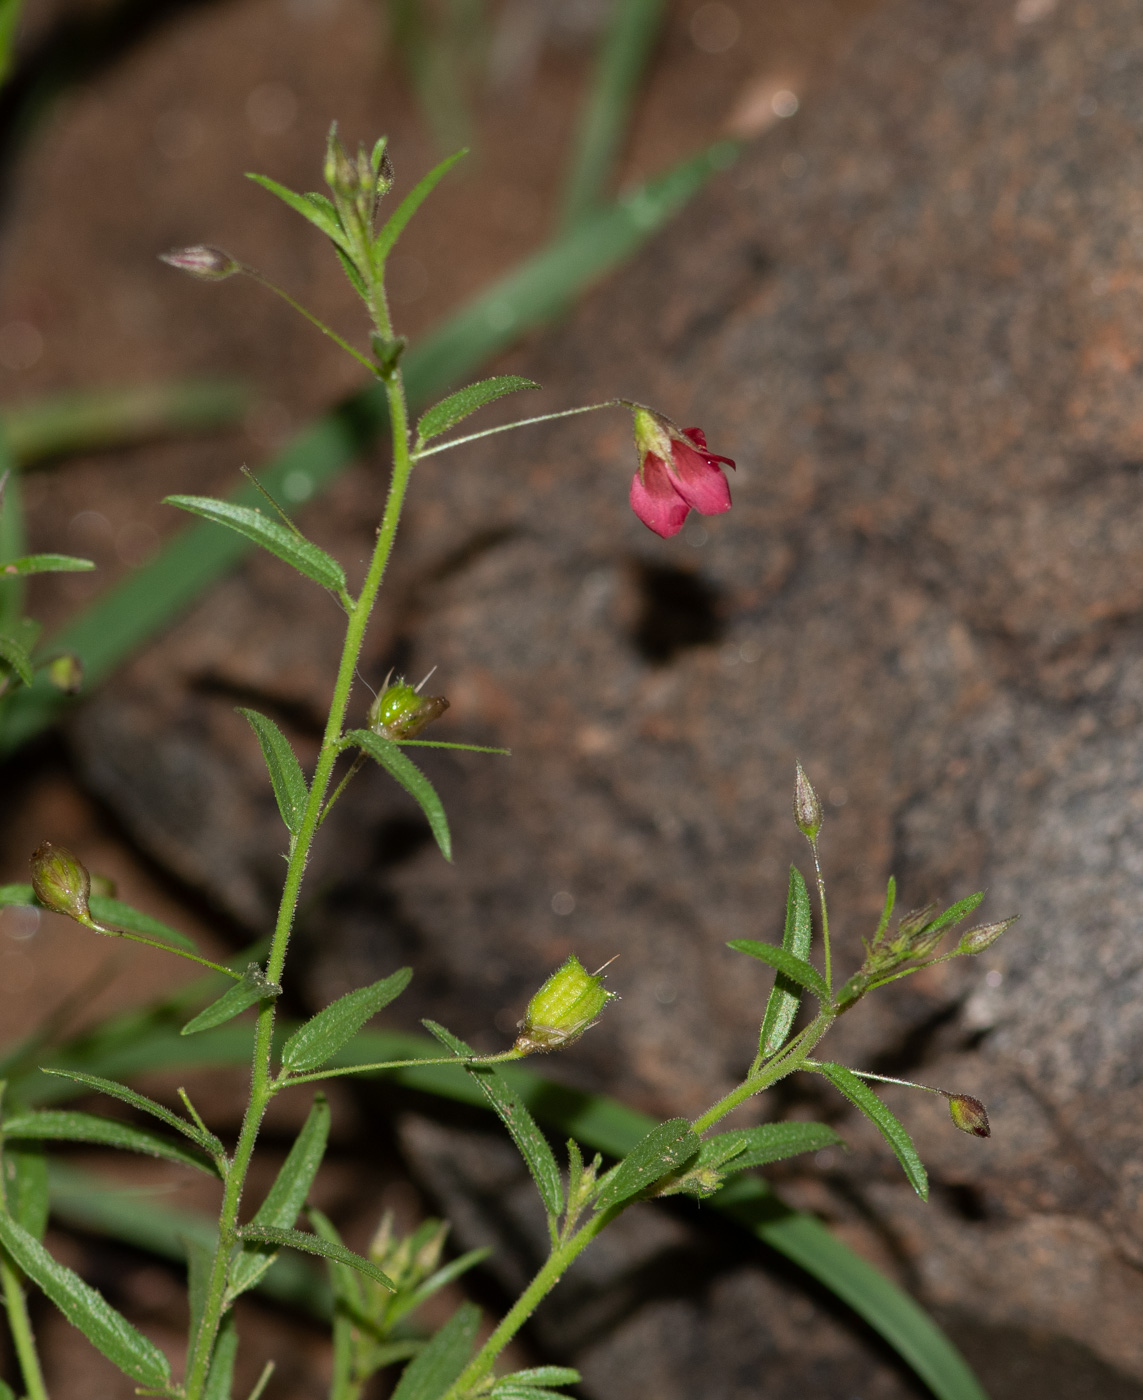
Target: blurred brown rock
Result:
[[913, 316]]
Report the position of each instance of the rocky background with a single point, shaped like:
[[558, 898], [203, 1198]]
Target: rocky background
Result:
[[913, 316]]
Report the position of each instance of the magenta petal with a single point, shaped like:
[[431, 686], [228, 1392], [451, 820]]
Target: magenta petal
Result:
[[696, 435], [697, 480], [655, 501]]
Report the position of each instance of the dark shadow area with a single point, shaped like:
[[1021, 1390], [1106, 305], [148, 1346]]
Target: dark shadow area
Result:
[[677, 609]]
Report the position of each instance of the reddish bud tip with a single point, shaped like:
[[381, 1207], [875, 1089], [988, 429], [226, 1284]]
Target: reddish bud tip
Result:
[[207, 264], [969, 1115], [61, 882]]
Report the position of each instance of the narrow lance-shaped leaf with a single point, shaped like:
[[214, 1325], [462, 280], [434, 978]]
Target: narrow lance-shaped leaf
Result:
[[107, 1330], [395, 225], [286, 1197], [200, 1264], [316, 1244], [293, 549], [786, 996], [955, 912], [314, 207], [772, 1142], [539, 1375], [286, 777], [207, 1141], [530, 1141], [862, 1096], [390, 757], [796, 969], [252, 989], [26, 1187], [324, 1034], [115, 914], [666, 1148], [453, 410], [886, 911], [67, 1125], [14, 655], [46, 564], [430, 1374]]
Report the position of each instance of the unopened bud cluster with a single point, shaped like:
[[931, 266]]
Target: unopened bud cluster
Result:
[[358, 184]]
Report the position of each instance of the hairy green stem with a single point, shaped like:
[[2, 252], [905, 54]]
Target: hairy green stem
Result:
[[20, 1324], [519, 423], [498, 1059], [825, 916]]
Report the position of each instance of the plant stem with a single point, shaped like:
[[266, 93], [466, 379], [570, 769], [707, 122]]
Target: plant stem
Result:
[[520, 423], [23, 1339], [825, 916], [498, 1059], [261, 1084]]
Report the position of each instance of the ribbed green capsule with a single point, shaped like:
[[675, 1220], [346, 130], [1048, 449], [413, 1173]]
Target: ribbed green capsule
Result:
[[400, 713], [565, 1006]]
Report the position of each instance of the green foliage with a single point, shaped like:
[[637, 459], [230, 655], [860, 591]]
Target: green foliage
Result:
[[314, 207], [390, 757], [46, 564], [786, 996], [458, 406], [70, 1126], [286, 776], [26, 1191], [528, 1385], [13, 654], [288, 545], [397, 221], [772, 1142], [323, 1035], [315, 1244], [207, 1141], [794, 969], [430, 1374], [252, 989], [862, 1096], [666, 1148], [221, 1379], [107, 1330]]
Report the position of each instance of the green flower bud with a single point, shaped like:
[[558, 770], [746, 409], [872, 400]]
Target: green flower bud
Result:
[[400, 713], [565, 1006], [66, 673], [201, 261], [62, 883], [969, 1115], [339, 171], [807, 808], [977, 939]]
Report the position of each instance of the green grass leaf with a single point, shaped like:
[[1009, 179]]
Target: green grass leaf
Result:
[[107, 1330], [510, 1109], [888, 1124], [430, 1374], [395, 224], [323, 1035], [390, 757], [286, 776], [46, 564], [252, 989], [207, 1141], [316, 1244], [457, 407], [666, 1148], [314, 207], [786, 996], [286, 1197], [794, 968], [70, 1126], [275, 538]]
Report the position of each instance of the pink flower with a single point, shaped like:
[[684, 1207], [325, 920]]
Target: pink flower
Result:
[[676, 474]]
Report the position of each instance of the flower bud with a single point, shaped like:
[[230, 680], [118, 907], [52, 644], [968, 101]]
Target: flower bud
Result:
[[62, 883], [400, 713], [201, 261], [564, 1007], [66, 673], [977, 939], [807, 808], [339, 171], [969, 1115]]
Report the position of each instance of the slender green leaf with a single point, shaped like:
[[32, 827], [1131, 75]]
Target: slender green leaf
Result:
[[886, 911], [6, 1391], [344, 1281], [70, 1126], [395, 225], [324, 1034], [252, 989], [26, 1186], [862, 1096], [291, 548], [14, 655], [349, 267], [10, 11], [390, 757], [786, 995], [539, 1375], [457, 407], [286, 777], [430, 1374], [316, 1244], [540, 288], [106, 1329], [46, 564], [207, 1141], [605, 120], [505, 1390], [509, 1106], [200, 1265], [955, 912], [314, 207], [17, 894], [115, 914], [220, 1380], [286, 1197], [665, 1149], [349, 1306], [441, 744], [796, 969], [772, 1142], [447, 1273]]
